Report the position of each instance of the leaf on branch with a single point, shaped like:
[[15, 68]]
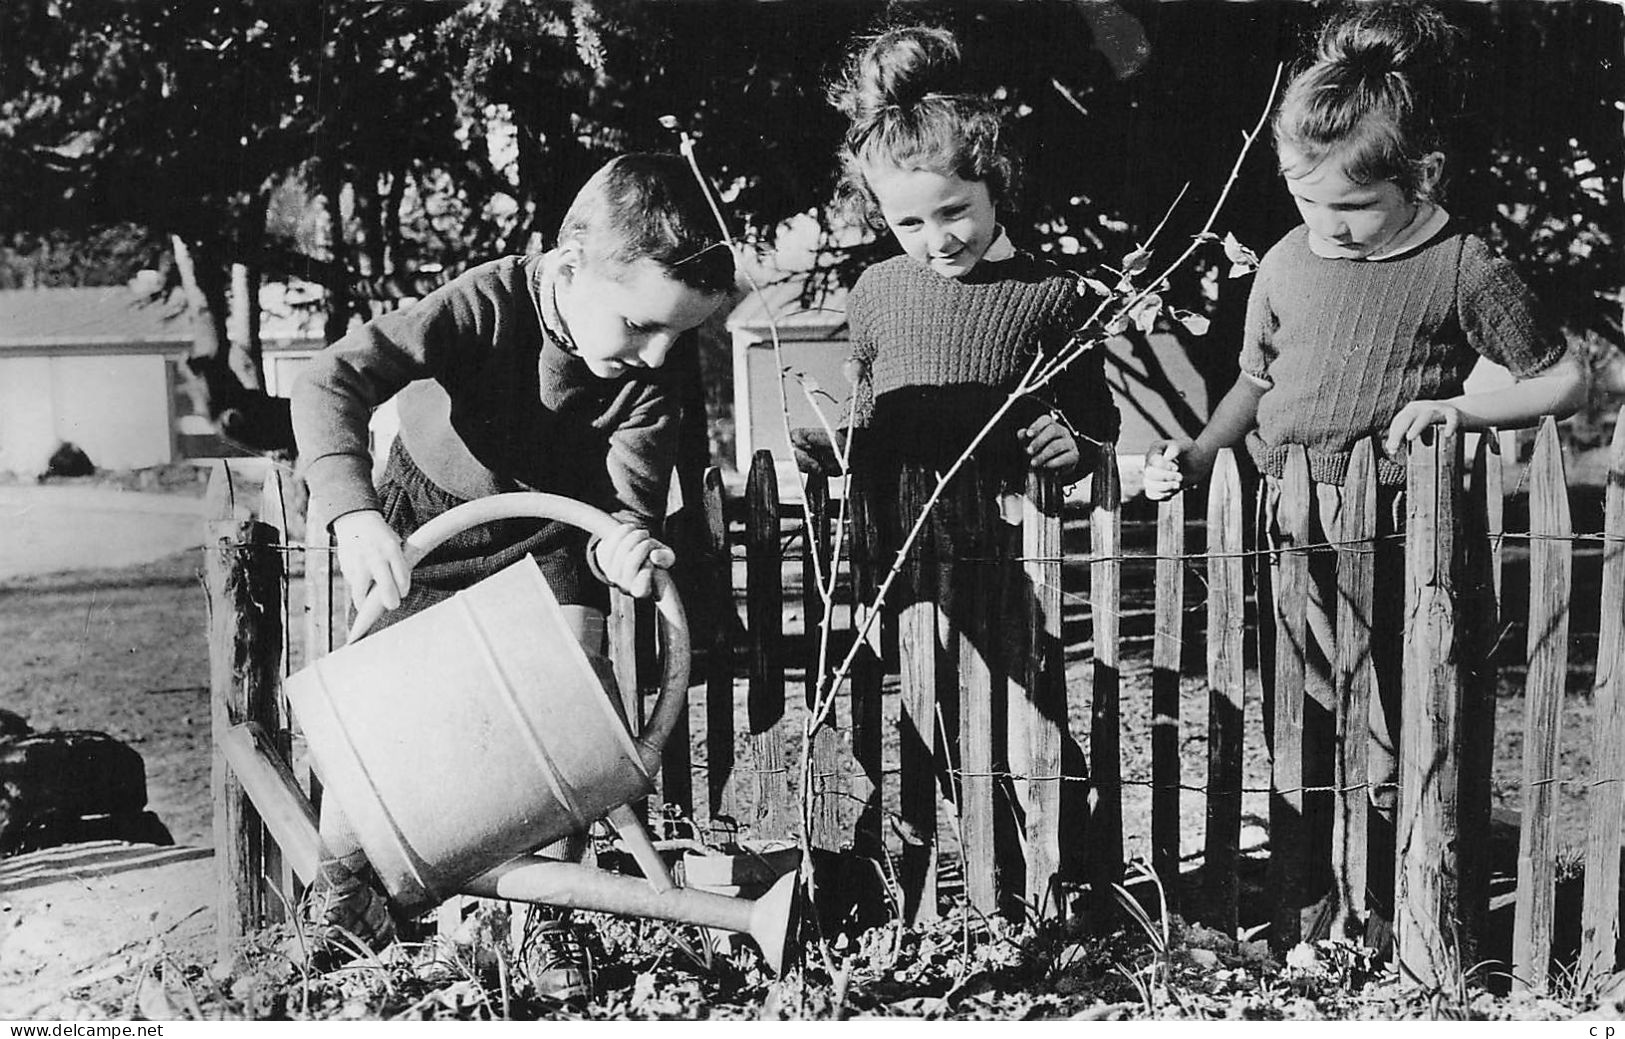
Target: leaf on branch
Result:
[[1118, 323], [1242, 259], [1207, 236], [1144, 313], [1094, 285], [1196, 324], [1136, 262]]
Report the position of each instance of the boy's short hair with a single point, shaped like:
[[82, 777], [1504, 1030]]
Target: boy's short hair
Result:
[[650, 206]]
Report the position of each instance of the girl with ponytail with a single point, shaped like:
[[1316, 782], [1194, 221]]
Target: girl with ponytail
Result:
[[1365, 320], [942, 333]]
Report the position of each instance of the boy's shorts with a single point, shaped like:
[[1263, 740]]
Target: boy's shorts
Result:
[[410, 499]]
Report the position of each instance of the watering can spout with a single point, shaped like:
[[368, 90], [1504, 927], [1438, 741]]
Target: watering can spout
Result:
[[769, 920]]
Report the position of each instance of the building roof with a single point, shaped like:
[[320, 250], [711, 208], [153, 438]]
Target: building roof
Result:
[[119, 318], [106, 316], [780, 302]]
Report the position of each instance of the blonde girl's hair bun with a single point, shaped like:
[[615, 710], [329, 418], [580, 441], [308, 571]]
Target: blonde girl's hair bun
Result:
[[1379, 91], [1393, 37]]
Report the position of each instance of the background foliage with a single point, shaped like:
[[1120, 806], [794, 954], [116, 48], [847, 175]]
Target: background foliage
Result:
[[375, 149]]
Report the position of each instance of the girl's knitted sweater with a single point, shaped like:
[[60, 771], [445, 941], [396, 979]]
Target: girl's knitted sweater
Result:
[[1342, 345], [936, 357]]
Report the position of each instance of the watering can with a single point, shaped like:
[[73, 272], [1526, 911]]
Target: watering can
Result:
[[460, 740]]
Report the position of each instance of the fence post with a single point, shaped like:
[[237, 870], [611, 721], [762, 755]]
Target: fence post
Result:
[[867, 676], [243, 571], [1605, 802], [1288, 827], [1043, 707], [824, 771], [1551, 555], [765, 617], [1105, 717], [274, 514], [1482, 526], [975, 572], [1426, 897], [1227, 687], [1167, 649], [925, 672], [1354, 681], [719, 671]]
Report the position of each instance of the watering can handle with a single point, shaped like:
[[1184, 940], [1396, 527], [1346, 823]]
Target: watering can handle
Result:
[[673, 698]]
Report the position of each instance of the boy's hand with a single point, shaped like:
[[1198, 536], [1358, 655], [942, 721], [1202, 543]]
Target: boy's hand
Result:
[[1417, 416], [1170, 467], [1050, 445], [369, 554], [627, 559], [815, 451]]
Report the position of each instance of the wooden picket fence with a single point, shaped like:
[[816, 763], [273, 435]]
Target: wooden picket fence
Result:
[[976, 630]]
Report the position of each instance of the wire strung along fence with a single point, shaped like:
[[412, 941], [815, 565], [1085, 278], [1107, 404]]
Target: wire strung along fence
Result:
[[964, 696]]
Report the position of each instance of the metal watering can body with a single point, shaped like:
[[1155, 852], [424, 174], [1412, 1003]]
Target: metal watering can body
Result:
[[478, 729]]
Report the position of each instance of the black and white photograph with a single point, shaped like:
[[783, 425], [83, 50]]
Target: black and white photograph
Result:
[[811, 511]]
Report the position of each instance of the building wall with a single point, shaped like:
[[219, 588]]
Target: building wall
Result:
[[114, 407]]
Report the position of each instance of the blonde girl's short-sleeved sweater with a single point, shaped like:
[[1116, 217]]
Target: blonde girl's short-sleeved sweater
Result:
[[936, 357], [1342, 345]]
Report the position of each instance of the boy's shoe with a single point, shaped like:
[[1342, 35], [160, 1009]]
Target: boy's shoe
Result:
[[348, 911], [555, 959]]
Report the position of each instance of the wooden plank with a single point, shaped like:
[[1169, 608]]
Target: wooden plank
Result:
[[324, 629], [867, 677], [1482, 512], [242, 570], [1105, 716], [764, 605], [920, 663], [621, 636], [1354, 681], [1551, 560], [1605, 801], [972, 500], [275, 793], [1167, 647], [824, 771], [676, 787], [1044, 685], [1426, 857], [274, 514], [719, 671], [1288, 851], [1227, 684], [321, 632]]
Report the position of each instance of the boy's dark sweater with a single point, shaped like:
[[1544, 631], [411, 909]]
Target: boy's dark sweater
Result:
[[488, 402], [937, 356]]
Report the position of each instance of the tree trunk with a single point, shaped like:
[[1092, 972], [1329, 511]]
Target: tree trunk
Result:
[[247, 417]]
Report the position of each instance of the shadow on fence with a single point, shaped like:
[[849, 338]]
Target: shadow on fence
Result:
[[959, 693]]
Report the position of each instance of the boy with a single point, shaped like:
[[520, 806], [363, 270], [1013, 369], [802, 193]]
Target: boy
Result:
[[537, 373]]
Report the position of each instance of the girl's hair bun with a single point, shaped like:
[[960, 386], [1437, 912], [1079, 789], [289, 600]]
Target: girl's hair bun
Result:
[[1380, 90], [898, 69], [909, 105], [1379, 38]]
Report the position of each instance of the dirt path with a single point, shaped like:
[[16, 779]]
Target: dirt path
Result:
[[102, 626]]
